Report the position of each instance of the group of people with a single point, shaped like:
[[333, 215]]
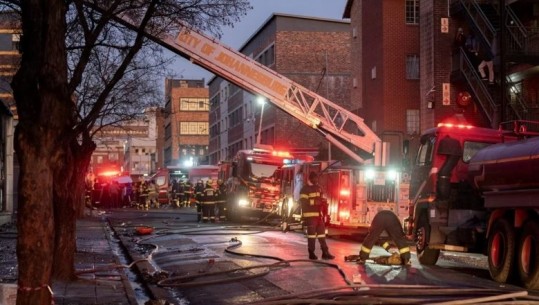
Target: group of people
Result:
[[210, 200], [108, 194], [479, 56]]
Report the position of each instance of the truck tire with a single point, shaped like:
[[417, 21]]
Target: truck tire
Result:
[[425, 255], [528, 255], [501, 250]]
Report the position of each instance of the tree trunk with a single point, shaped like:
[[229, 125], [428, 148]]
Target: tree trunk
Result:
[[69, 191], [45, 110], [35, 225]]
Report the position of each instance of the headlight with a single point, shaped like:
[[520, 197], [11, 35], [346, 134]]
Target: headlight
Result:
[[243, 202]]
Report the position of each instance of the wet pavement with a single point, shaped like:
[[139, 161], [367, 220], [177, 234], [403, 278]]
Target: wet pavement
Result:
[[184, 262]]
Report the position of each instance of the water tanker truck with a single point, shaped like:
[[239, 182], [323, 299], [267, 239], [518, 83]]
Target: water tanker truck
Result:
[[477, 190]]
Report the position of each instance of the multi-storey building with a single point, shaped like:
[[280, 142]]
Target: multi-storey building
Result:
[[131, 149], [313, 52], [9, 62], [385, 67], [410, 73], [186, 122]]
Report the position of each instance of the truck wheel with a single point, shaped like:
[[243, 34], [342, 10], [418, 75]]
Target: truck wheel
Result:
[[528, 255], [501, 250], [425, 255]]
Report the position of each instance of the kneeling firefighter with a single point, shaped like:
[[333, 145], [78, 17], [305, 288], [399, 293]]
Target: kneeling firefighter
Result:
[[312, 204], [389, 222]]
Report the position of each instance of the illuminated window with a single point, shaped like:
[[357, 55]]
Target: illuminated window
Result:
[[194, 104], [194, 128], [412, 11]]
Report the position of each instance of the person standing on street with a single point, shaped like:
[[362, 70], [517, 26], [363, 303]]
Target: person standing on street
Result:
[[221, 200], [311, 203], [198, 191], [208, 198]]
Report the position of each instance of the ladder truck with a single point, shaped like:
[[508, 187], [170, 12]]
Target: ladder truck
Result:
[[339, 126]]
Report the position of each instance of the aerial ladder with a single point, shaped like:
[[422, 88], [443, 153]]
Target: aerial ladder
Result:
[[333, 122]]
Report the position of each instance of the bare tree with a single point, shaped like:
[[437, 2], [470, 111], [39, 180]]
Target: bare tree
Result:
[[66, 86]]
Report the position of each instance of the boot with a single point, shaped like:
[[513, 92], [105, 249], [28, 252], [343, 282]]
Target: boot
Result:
[[312, 255], [327, 255]]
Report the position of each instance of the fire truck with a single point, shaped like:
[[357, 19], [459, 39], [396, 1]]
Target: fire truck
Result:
[[339, 126], [354, 193], [476, 190]]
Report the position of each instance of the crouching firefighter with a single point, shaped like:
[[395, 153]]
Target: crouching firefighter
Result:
[[311, 203], [389, 222]]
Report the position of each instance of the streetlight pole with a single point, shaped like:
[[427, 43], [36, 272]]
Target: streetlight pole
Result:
[[261, 101]]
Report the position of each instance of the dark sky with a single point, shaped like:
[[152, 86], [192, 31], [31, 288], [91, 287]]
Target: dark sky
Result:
[[262, 10]]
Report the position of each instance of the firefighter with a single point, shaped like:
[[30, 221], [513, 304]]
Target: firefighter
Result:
[[187, 193], [153, 194], [174, 193], [311, 203], [143, 196], [385, 221], [198, 190], [221, 200], [207, 200]]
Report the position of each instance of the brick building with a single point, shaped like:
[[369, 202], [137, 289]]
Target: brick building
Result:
[[385, 67], [408, 73], [186, 122], [313, 52]]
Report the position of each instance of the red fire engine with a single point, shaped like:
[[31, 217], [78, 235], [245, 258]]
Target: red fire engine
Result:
[[476, 190]]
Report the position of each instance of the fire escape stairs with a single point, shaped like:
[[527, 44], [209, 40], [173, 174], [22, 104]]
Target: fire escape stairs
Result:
[[484, 20]]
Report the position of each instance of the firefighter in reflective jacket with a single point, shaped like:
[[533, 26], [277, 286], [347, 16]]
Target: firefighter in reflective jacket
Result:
[[199, 189], [311, 205], [208, 198], [389, 222]]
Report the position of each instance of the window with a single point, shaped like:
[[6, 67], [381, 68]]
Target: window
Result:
[[194, 128], [412, 121], [412, 66], [424, 155], [194, 104], [412, 11], [471, 148]]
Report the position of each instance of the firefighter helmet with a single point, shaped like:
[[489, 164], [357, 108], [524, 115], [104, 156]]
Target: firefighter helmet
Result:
[[209, 182]]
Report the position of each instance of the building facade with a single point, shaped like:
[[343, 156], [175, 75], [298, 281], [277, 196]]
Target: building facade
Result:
[[410, 71], [386, 70], [186, 122], [9, 63], [131, 149], [312, 52]]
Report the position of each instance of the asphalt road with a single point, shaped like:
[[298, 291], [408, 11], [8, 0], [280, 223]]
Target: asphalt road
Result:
[[185, 262]]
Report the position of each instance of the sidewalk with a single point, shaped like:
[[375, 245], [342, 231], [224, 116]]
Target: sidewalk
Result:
[[95, 251]]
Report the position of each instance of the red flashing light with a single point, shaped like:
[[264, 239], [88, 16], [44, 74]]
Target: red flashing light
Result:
[[345, 192], [283, 154], [109, 173], [459, 126]]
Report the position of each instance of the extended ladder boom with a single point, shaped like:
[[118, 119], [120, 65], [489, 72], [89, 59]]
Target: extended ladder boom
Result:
[[310, 108]]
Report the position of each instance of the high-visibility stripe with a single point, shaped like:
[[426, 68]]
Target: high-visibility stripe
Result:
[[321, 235], [404, 250], [365, 249], [311, 214], [311, 236], [385, 245], [314, 195], [304, 196]]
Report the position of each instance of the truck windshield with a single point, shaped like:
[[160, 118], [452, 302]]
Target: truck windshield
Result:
[[263, 170]]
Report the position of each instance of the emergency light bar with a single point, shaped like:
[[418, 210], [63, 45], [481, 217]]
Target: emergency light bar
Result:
[[459, 126]]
